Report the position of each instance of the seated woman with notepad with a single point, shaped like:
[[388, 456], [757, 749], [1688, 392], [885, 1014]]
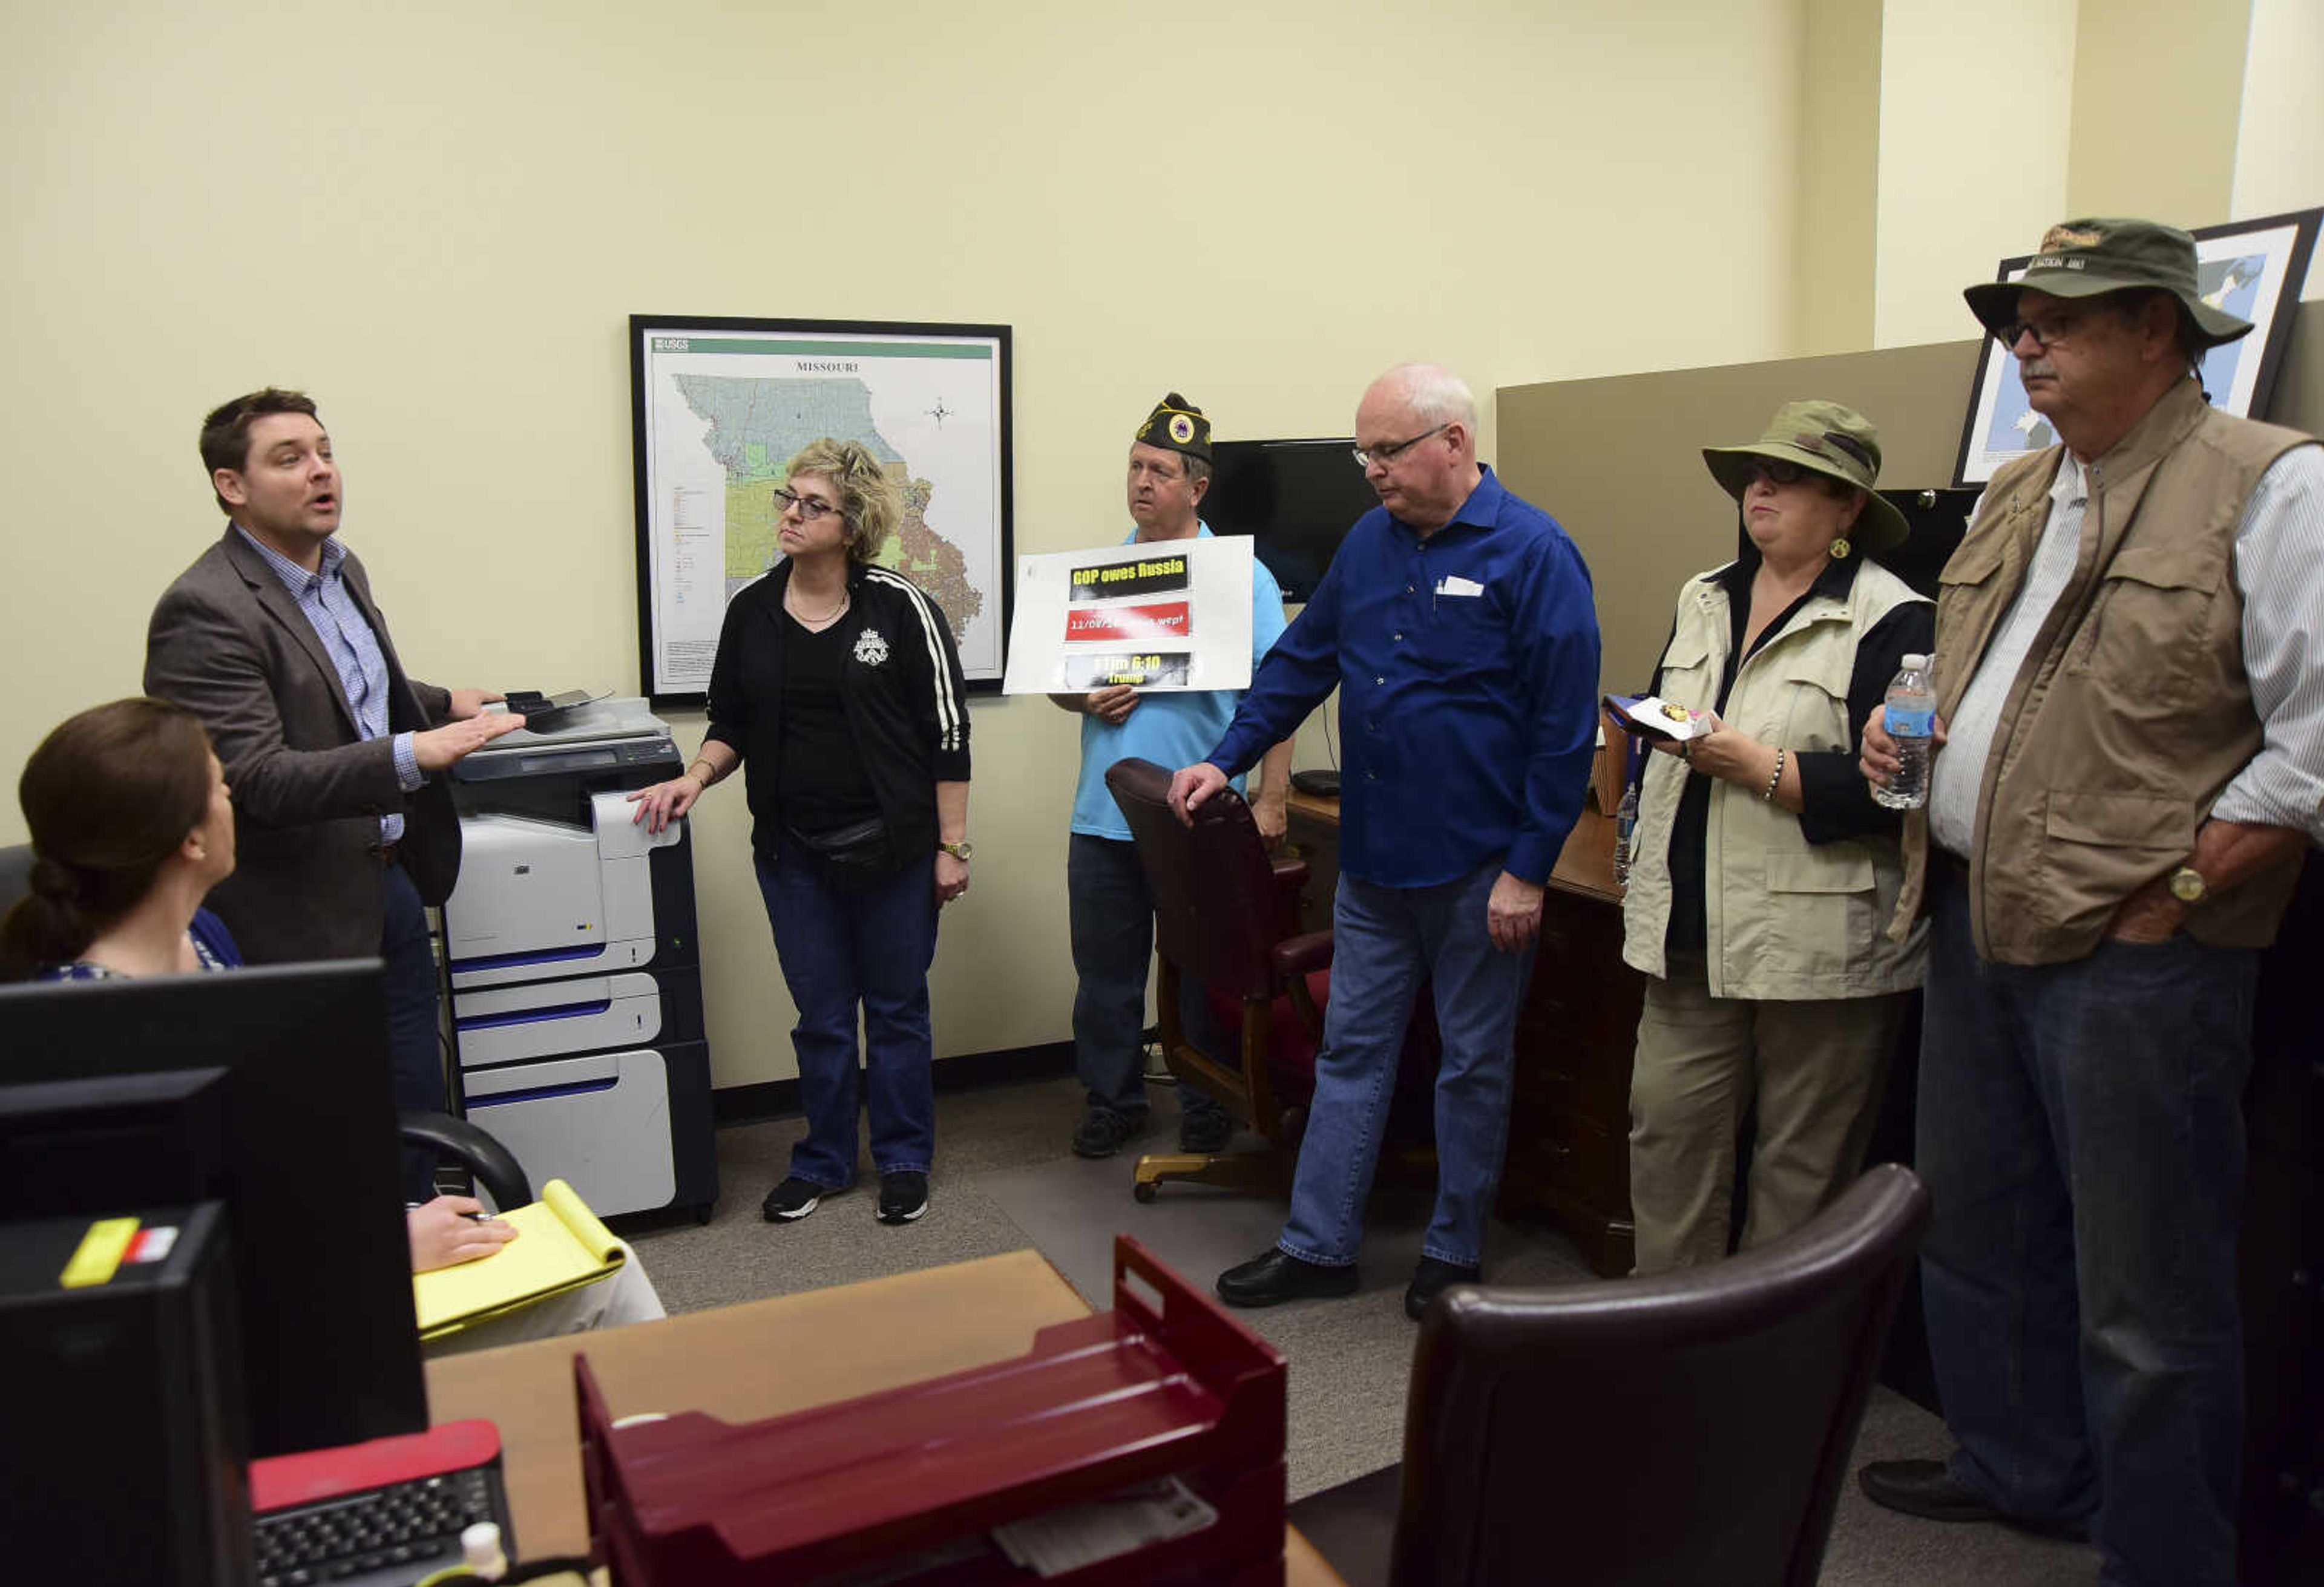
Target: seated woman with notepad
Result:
[[131, 825], [531, 1272]]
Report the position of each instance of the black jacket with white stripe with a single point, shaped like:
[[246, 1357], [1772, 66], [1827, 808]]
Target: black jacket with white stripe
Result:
[[901, 687]]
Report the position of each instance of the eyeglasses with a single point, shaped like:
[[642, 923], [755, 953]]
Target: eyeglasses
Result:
[[1367, 456], [2047, 331], [809, 508], [1776, 471]]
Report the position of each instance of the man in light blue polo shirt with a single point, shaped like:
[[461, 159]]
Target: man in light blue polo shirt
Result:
[[1111, 907]]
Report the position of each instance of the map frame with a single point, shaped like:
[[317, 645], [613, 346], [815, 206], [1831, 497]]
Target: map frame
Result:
[[649, 411]]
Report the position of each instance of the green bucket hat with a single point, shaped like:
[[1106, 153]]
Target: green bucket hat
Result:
[[2083, 258], [1825, 439]]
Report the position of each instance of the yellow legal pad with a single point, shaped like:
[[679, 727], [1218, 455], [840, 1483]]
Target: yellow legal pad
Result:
[[559, 1245]]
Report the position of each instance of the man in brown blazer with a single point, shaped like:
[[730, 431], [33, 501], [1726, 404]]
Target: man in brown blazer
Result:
[[343, 826]]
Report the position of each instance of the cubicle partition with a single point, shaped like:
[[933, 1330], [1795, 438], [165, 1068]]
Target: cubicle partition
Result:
[[1618, 462]]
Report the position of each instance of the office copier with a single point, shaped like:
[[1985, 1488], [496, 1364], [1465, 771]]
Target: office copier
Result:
[[577, 984]]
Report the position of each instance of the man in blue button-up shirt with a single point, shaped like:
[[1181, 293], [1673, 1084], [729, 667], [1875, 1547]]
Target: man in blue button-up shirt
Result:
[[1457, 623], [344, 828]]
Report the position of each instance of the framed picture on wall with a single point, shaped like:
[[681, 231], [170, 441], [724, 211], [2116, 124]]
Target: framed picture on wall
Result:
[[719, 407], [2251, 269]]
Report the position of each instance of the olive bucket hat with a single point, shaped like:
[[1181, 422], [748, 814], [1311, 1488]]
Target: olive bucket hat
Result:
[[2083, 258], [1825, 439]]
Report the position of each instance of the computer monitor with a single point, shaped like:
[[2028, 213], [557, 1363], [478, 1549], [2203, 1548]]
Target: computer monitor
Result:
[[1296, 500], [294, 1132]]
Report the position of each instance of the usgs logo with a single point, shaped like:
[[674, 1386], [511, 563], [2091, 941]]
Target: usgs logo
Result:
[[669, 344]]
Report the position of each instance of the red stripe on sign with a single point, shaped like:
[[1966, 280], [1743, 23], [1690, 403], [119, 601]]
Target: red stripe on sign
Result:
[[1165, 619]]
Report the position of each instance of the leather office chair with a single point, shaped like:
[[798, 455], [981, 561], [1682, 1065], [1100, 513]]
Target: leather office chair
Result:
[[1692, 1427], [1228, 916], [15, 874], [494, 1166]]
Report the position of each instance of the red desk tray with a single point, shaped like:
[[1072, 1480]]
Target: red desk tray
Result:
[[902, 1486]]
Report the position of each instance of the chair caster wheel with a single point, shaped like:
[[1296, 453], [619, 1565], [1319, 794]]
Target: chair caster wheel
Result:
[[1144, 1192]]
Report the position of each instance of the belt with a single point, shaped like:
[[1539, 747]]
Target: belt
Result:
[[384, 853]]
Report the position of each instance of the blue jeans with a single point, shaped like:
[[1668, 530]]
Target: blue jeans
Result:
[[414, 1050], [1384, 939], [1111, 909], [2081, 1133], [843, 945]]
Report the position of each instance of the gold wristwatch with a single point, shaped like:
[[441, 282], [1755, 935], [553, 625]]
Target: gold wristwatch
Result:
[[960, 850], [2187, 885]]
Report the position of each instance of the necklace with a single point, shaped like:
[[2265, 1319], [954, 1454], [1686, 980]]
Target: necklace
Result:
[[824, 620]]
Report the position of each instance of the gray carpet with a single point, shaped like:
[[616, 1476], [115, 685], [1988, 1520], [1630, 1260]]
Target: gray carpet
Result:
[[1006, 1179]]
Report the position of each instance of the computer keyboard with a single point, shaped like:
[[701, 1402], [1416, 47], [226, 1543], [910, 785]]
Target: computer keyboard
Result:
[[370, 1515]]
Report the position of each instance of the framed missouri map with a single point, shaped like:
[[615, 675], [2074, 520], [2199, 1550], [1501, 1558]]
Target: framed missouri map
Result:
[[718, 408]]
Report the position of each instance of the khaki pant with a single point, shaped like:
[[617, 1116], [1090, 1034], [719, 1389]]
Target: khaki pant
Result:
[[1816, 1068]]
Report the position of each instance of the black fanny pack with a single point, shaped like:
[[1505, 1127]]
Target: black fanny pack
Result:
[[858, 852]]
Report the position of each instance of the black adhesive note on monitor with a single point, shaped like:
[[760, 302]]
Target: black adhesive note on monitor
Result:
[[291, 1124], [1296, 500]]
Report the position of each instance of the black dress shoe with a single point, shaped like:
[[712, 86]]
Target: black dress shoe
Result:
[[1922, 1488], [1274, 1278], [1430, 1279], [1925, 1488]]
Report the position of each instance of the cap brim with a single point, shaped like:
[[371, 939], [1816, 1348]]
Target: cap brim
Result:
[[1995, 303], [1878, 527]]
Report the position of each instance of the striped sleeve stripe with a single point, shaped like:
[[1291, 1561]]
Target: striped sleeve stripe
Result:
[[2280, 572], [948, 725]]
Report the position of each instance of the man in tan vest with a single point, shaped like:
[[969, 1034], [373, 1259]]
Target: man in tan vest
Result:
[[2133, 724]]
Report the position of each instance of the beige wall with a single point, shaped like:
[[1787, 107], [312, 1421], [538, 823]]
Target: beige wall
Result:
[[1976, 98], [437, 216], [1839, 176], [2280, 134], [2158, 87]]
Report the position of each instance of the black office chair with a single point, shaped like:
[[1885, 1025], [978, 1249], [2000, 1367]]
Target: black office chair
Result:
[[15, 874], [1692, 1427], [492, 1165]]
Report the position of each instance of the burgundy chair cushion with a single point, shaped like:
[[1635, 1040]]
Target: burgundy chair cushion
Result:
[[1293, 1061]]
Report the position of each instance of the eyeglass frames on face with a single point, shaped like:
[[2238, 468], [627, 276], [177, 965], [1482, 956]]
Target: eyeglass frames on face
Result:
[[1367, 456], [2047, 331], [809, 508], [1776, 470]]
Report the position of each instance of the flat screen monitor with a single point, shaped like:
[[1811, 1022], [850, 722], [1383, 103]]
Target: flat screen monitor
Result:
[[292, 1126], [1296, 500]]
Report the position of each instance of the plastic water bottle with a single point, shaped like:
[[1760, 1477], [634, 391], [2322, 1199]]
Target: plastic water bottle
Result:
[[1911, 718], [1626, 831]]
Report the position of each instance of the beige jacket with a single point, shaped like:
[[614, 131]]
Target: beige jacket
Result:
[[1784, 918], [2132, 711]]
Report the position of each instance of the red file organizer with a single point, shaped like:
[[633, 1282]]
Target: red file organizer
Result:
[[912, 1480]]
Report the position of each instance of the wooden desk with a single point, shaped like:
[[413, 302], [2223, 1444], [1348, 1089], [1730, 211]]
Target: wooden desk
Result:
[[762, 1359], [1569, 1154]]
